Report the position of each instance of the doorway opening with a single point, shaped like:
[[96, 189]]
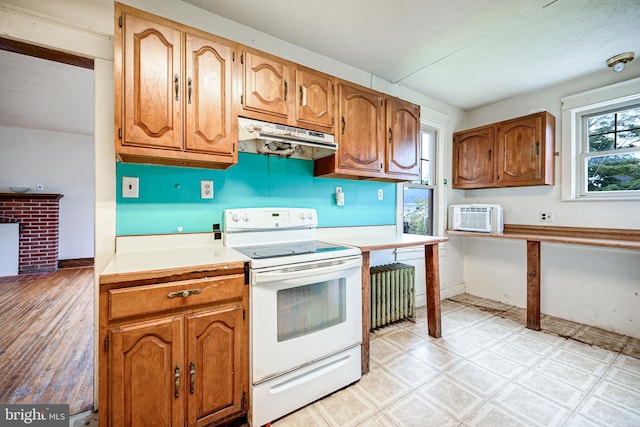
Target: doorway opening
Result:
[[47, 141]]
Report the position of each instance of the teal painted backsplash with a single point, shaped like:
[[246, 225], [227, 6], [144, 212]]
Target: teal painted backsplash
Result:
[[169, 197]]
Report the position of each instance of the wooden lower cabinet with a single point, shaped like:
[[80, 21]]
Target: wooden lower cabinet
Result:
[[174, 367], [146, 360], [214, 348]]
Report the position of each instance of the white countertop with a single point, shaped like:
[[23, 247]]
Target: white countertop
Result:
[[135, 254], [169, 252]]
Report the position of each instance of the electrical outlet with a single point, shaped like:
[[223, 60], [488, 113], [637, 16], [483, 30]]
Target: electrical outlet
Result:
[[206, 189], [339, 196], [380, 194], [546, 216], [130, 187]]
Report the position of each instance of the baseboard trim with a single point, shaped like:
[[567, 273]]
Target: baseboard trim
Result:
[[73, 263]]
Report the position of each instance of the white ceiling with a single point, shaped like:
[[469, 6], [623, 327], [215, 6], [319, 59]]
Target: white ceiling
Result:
[[466, 53]]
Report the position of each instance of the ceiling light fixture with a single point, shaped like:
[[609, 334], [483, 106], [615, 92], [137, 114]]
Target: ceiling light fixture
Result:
[[618, 62]]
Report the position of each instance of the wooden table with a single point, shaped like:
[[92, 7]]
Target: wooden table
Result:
[[604, 237], [393, 241]]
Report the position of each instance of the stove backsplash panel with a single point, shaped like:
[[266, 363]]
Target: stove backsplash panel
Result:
[[169, 197]]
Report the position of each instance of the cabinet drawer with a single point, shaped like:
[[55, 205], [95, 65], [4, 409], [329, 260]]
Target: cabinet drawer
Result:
[[140, 300]]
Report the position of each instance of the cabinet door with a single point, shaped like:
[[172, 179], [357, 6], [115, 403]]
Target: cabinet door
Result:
[[403, 148], [473, 158], [314, 98], [152, 84], [266, 84], [208, 124], [147, 374], [522, 151], [360, 130], [215, 358]]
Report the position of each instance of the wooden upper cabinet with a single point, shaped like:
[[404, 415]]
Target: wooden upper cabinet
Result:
[[360, 133], [266, 84], [147, 357], [403, 145], [473, 158], [152, 73], [517, 152], [209, 125], [173, 93], [367, 149], [527, 150], [214, 349], [315, 94]]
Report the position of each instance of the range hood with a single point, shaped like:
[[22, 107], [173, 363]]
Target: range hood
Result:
[[255, 136]]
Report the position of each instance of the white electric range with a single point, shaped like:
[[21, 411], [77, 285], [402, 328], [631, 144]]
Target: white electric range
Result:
[[305, 309]]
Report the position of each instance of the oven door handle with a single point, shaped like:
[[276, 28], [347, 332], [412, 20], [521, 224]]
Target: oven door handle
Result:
[[305, 270]]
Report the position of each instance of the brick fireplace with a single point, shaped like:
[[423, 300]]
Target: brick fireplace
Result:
[[39, 218]]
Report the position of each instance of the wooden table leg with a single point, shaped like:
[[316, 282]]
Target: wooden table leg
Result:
[[366, 309], [533, 285], [433, 290]]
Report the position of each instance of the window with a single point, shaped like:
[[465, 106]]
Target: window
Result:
[[601, 144], [417, 213], [611, 151]]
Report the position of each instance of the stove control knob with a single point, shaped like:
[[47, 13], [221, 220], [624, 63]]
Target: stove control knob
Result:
[[235, 217], [309, 215], [245, 217], [301, 214]]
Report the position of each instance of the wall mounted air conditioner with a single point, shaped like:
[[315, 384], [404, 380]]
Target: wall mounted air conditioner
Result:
[[482, 218]]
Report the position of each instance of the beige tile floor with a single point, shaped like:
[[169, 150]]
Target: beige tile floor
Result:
[[486, 370]]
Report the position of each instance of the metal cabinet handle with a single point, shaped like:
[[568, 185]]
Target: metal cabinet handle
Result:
[[301, 95], [537, 148], [344, 124], [189, 88], [184, 294], [176, 83], [390, 135], [286, 89], [192, 372], [489, 155], [177, 381]]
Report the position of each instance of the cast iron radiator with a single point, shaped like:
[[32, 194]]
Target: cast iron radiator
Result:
[[392, 294]]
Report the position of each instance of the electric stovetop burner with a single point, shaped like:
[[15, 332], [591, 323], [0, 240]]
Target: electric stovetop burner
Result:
[[287, 249]]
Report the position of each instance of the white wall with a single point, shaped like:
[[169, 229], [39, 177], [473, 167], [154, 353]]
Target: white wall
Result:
[[595, 286], [63, 163]]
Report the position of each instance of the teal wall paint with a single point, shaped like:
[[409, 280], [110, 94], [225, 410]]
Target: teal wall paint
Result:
[[169, 197]]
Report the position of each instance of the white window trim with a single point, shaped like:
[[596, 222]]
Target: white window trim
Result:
[[439, 204], [573, 107]]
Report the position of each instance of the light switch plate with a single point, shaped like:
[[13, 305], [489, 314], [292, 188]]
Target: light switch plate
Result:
[[206, 189], [130, 187]]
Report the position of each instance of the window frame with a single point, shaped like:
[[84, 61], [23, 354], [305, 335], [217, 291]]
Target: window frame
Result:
[[436, 191], [575, 110]]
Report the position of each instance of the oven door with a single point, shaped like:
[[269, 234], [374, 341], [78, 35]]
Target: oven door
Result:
[[304, 312]]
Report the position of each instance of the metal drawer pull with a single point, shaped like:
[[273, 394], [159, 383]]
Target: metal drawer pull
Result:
[[184, 294], [176, 373], [176, 83], [192, 371]]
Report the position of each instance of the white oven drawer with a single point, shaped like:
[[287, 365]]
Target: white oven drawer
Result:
[[284, 394]]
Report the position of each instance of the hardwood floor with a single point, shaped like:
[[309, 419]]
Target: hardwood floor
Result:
[[46, 338]]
